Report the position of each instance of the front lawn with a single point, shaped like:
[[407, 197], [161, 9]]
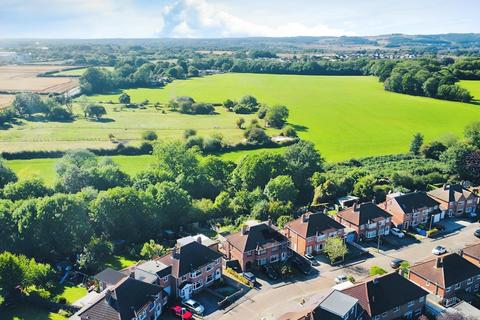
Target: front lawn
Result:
[[118, 262], [28, 312]]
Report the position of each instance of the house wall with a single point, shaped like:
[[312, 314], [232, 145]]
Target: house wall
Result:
[[253, 258], [446, 293], [312, 244], [415, 309], [364, 229], [405, 220], [215, 272]]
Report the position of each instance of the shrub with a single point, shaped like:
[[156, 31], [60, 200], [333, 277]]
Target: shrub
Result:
[[194, 141], [432, 232], [289, 131], [149, 136], [377, 271], [213, 143], [188, 133]]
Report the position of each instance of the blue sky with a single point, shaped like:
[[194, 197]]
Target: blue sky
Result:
[[233, 18]]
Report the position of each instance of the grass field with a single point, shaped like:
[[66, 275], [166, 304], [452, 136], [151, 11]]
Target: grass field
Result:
[[28, 312], [76, 72], [344, 116], [45, 168], [473, 86]]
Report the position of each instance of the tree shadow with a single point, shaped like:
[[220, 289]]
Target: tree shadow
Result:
[[299, 127], [103, 120]]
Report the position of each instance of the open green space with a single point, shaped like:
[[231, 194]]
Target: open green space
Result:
[[473, 86], [119, 262], [45, 168], [345, 117], [75, 72], [29, 312]]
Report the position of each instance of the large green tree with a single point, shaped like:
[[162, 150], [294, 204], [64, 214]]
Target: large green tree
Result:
[[281, 188]]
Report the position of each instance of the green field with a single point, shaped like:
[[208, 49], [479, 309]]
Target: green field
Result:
[[75, 72], [45, 168], [29, 312], [473, 86], [344, 116]]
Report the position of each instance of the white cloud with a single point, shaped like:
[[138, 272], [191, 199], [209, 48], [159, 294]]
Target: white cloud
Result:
[[198, 18]]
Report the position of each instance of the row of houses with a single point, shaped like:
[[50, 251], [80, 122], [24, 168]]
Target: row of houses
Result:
[[451, 280], [141, 291]]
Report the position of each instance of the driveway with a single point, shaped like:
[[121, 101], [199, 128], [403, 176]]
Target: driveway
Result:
[[271, 302]]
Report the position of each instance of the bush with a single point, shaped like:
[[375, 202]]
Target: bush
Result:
[[194, 141], [202, 108], [213, 143], [188, 133], [377, 271], [256, 135], [289, 131], [432, 232], [149, 136]]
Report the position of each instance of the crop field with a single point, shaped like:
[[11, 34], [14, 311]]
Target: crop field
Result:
[[6, 100], [473, 86], [75, 72], [18, 78], [345, 117]]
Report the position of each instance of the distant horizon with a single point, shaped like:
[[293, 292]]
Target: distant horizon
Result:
[[214, 19], [250, 37]]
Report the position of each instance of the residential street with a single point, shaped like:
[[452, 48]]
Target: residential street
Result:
[[271, 301]]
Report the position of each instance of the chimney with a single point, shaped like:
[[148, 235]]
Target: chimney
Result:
[[199, 239], [375, 280], [244, 229], [373, 200], [439, 262], [446, 186], [269, 221], [356, 207], [174, 252], [304, 218]]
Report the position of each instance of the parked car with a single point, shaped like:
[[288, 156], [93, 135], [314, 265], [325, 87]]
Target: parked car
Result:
[[477, 233], [312, 260], [270, 272], [341, 278], [193, 306], [395, 263], [182, 313], [250, 277], [439, 250], [397, 232], [301, 265]]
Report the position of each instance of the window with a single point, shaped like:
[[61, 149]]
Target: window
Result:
[[458, 286], [209, 278], [218, 261], [249, 253], [320, 237], [184, 277], [469, 281], [371, 234], [448, 289], [262, 261], [396, 309], [195, 273], [411, 303], [261, 251], [332, 234], [384, 314], [274, 258], [209, 267], [197, 285], [165, 278], [421, 299]]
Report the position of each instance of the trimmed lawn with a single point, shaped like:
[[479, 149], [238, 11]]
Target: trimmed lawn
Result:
[[28, 312], [120, 262], [346, 117], [72, 294]]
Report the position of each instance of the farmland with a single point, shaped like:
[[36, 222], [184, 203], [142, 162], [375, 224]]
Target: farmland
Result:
[[343, 116], [75, 72], [473, 86], [19, 78]]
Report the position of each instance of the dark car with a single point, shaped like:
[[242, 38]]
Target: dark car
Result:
[[312, 260], [477, 233], [250, 277], [395, 263], [301, 265], [270, 272]]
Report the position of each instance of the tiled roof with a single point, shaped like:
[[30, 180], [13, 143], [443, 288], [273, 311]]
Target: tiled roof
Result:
[[110, 276], [189, 257], [451, 269], [411, 201], [473, 250], [259, 235], [120, 302], [313, 224], [363, 213], [448, 193], [385, 293]]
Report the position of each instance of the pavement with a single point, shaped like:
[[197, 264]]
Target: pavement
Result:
[[272, 301]]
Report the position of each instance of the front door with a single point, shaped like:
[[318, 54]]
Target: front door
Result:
[[186, 292], [309, 249]]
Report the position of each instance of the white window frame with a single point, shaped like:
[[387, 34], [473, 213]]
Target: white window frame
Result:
[[274, 258], [411, 303], [213, 278], [209, 267]]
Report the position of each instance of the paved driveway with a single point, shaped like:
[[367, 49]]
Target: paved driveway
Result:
[[271, 302]]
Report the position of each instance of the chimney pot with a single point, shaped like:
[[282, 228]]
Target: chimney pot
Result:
[[304, 217], [244, 229], [199, 239], [439, 262]]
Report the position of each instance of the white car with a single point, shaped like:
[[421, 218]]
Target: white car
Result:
[[397, 232], [341, 278], [194, 306], [438, 250]]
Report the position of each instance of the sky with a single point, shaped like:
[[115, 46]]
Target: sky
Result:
[[233, 18]]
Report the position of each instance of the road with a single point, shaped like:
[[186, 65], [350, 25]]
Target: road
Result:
[[273, 301]]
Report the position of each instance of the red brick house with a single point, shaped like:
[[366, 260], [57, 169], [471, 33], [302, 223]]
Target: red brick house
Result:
[[412, 209], [446, 277], [187, 269], [367, 219], [127, 299], [472, 253], [389, 297], [256, 245], [308, 233], [455, 200]]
